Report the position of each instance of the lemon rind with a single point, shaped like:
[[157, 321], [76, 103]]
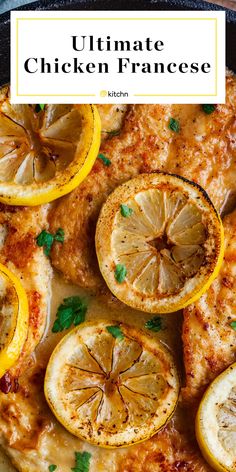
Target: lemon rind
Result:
[[11, 352]]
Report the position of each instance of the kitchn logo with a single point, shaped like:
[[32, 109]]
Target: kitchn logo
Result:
[[113, 94]]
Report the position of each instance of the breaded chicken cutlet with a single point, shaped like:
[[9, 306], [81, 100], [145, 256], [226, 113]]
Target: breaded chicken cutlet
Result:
[[19, 228], [209, 340], [203, 151]]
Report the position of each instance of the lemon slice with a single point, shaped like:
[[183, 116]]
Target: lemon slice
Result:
[[216, 422], [111, 391], [13, 319], [159, 242], [47, 154]]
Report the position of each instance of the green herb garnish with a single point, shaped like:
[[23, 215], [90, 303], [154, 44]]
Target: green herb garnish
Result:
[[71, 311], [82, 461], [233, 325], [115, 331], [125, 210], [120, 273], [105, 160], [154, 324], [39, 108], [52, 467], [174, 125], [46, 239], [113, 132], [208, 109], [59, 235]]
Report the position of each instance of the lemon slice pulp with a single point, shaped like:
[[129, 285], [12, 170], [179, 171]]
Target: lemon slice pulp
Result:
[[13, 319], [169, 242], [111, 392], [216, 422], [45, 154]]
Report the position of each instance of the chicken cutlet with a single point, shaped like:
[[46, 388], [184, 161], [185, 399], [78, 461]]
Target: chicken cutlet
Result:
[[33, 440], [209, 340], [204, 150], [20, 253]]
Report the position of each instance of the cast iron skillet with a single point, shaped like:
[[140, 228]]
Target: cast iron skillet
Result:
[[117, 5]]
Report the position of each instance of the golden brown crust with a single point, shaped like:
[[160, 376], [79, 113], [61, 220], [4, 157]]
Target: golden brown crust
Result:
[[33, 439], [203, 151], [174, 449], [208, 339], [19, 227], [78, 212]]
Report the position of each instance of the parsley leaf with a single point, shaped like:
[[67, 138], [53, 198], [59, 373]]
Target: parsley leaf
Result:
[[120, 273], [52, 467], [105, 160], [233, 325], [125, 210], [59, 235], [71, 311], [174, 125], [154, 324], [115, 331], [46, 239], [208, 109], [82, 461], [39, 108], [113, 132]]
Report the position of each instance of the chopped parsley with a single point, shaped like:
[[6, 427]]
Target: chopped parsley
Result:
[[113, 132], [120, 273], [105, 160], [46, 239], [71, 311], [174, 125], [115, 331], [39, 108], [233, 325], [59, 235], [208, 109], [52, 467], [82, 461], [125, 210], [154, 324]]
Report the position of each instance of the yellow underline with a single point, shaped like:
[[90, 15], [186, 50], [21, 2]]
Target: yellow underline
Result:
[[114, 19], [56, 95], [174, 95]]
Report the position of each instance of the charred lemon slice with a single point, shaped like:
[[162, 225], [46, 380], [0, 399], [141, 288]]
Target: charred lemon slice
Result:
[[216, 422], [45, 154], [159, 242], [13, 319], [111, 385]]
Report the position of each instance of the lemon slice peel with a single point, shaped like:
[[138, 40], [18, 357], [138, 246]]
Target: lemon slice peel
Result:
[[14, 320]]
